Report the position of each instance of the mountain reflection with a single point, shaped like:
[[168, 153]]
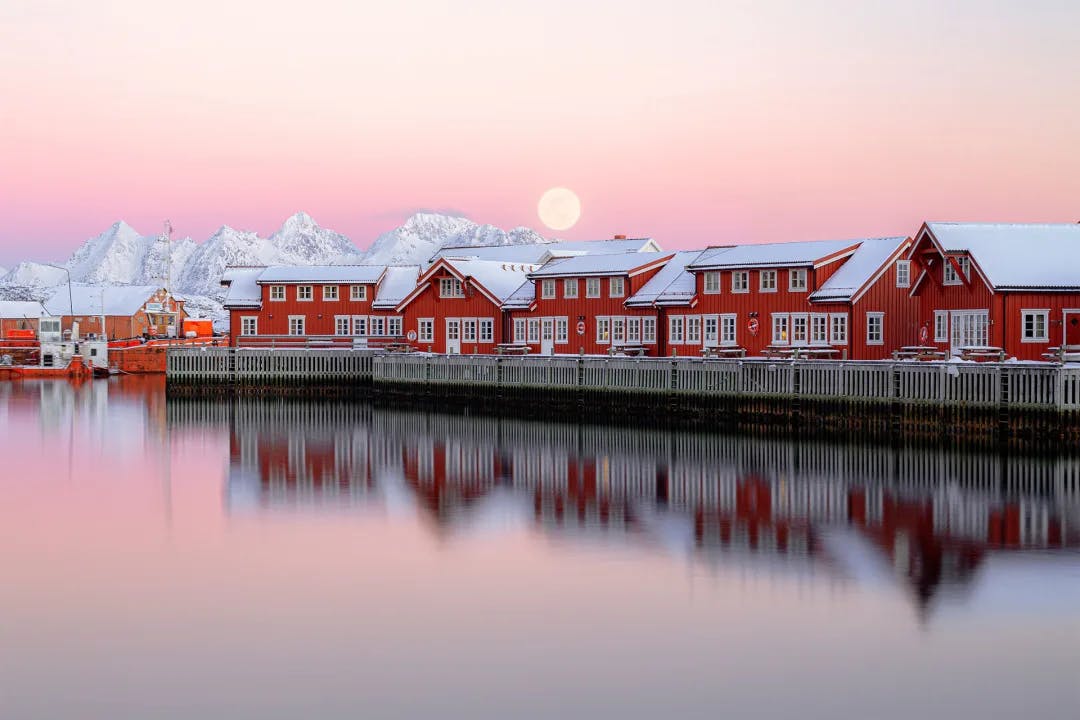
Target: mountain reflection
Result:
[[928, 516]]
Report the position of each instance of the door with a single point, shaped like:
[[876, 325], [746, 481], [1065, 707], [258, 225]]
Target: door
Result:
[[711, 336], [547, 336], [969, 329], [453, 336], [1072, 328]]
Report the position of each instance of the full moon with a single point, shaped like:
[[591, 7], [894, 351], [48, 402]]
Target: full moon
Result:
[[559, 208]]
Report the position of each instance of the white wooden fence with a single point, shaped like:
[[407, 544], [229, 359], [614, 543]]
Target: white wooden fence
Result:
[[987, 385]]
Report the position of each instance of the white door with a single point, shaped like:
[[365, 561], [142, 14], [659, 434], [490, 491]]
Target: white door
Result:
[[969, 328], [547, 336], [453, 336], [711, 336]]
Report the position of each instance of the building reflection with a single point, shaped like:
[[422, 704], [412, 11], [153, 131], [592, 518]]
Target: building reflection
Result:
[[930, 516]]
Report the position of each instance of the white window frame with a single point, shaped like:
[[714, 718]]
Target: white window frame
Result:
[[360, 325], [302, 290], [570, 288], [740, 281], [870, 318], [729, 320], [797, 280], [330, 293], [633, 330], [781, 329], [298, 325], [819, 329], [451, 287], [486, 331], [358, 293], [425, 330], [468, 330], [949, 276], [603, 330], [534, 331], [547, 289], [838, 328], [711, 283], [339, 328], [762, 286], [1034, 314], [249, 325], [618, 330], [693, 329], [277, 293], [562, 331], [803, 320], [395, 326], [676, 329], [616, 287], [376, 326], [710, 330], [648, 331], [903, 273], [521, 336], [941, 326], [592, 287]]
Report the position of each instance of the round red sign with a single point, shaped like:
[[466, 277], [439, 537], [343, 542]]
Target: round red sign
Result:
[[924, 335], [752, 326], [581, 327]]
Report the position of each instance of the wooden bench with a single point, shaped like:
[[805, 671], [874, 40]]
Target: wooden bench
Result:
[[800, 353], [919, 352], [629, 350], [1063, 354], [398, 347], [511, 349], [982, 352], [713, 351]]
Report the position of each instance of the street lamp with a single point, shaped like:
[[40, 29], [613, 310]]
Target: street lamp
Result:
[[71, 303]]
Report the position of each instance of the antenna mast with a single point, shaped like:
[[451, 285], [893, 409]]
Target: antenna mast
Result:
[[166, 237]]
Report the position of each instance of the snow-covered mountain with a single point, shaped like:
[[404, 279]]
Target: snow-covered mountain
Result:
[[423, 234], [122, 256]]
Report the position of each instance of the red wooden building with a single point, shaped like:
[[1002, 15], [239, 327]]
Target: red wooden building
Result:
[[1009, 286], [579, 304]]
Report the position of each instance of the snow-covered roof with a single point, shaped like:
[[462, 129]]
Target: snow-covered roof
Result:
[[499, 278], [593, 265], [1017, 255], [322, 274], [610, 246], [532, 253], [397, 283], [857, 269], [120, 300], [20, 309], [244, 290], [785, 254], [523, 297], [673, 285]]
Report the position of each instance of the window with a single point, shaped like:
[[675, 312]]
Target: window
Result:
[[450, 287], [393, 327], [648, 330], [616, 287], [562, 333], [358, 292], [359, 325], [1033, 325], [633, 330], [740, 281], [303, 292], [330, 293], [468, 330], [780, 329], [675, 329], [249, 325], [277, 293], [547, 289], [592, 287], [693, 329], [712, 330], [425, 330], [798, 329], [487, 330], [903, 273], [969, 328], [618, 330], [839, 329], [712, 283], [727, 329], [950, 277], [603, 330], [296, 324], [768, 280], [378, 326], [819, 329], [875, 323], [342, 325], [941, 326], [519, 331], [797, 280], [570, 287], [534, 330]]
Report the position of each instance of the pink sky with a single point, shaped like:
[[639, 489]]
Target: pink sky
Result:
[[692, 122]]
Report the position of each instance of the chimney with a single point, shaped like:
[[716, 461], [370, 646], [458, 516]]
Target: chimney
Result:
[[619, 237]]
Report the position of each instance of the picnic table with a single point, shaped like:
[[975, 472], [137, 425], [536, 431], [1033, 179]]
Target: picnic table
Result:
[[1063, 353], [919, 352], [982, 352], [629, 350], [398, 347], [800, 353], [730, 351], [511, 349]]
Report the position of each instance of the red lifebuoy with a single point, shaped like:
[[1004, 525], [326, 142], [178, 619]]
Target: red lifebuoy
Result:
[[752, 326], [924, 335], [581, 327]]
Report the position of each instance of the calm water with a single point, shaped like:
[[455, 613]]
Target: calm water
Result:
[[282, 560]]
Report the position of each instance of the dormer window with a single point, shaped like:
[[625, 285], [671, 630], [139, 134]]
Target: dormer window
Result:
[[950, 277], [450, 287], [903, 273]]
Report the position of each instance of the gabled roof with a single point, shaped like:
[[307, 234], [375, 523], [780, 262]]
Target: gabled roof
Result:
[[539, 253], [243, 288], [630, 263], [787, 254], [22, 310], [522, 298], [673, 285], [496, 281], [396, 284], [1016, 255], [120, 300], [859, 269], [360, 274], [611, 246]]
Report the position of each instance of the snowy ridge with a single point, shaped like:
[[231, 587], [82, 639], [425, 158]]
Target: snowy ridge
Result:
[[424, 234]]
